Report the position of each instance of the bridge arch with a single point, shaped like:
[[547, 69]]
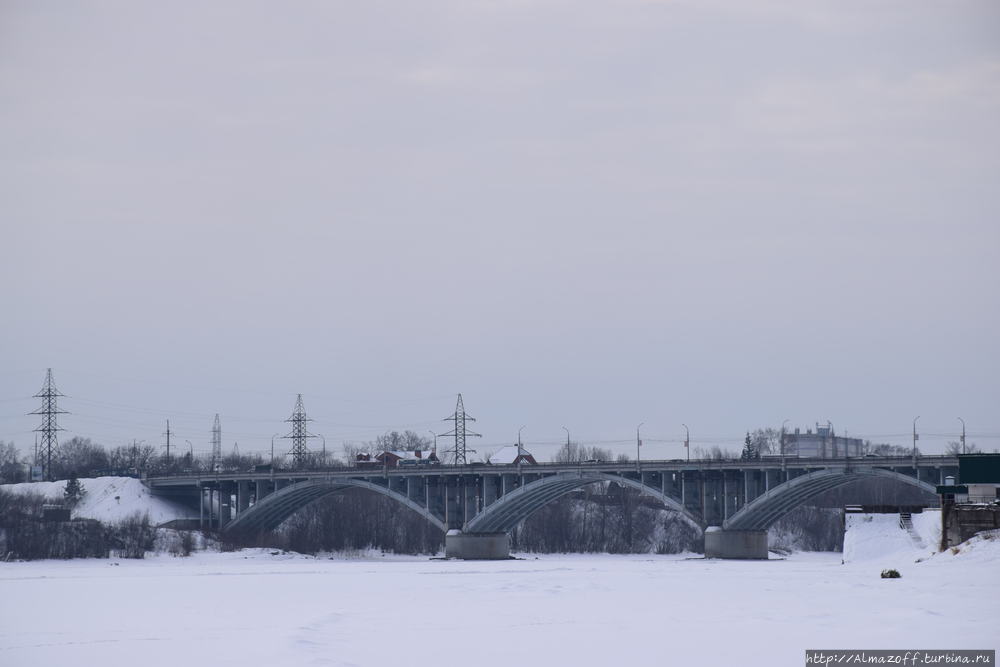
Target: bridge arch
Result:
[[272, 510], [514, 507], [763, 511]]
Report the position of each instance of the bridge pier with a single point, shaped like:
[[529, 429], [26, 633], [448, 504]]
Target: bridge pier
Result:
[[242, 496], [735, 544], [476, 546]]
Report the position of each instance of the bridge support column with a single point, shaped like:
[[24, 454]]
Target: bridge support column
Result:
[[260, 490], [489, 490], [225, 504], [735, 544], [242, 496], [476, 546]]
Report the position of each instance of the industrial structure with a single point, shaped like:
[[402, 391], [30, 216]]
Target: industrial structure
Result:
[[822, 444]]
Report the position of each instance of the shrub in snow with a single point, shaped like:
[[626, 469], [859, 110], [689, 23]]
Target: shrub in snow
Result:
[[133, 537], [891, 574]]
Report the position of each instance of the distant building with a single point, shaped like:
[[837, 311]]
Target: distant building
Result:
[[510, 455], [398, 458], [823, 444], [972, 505]]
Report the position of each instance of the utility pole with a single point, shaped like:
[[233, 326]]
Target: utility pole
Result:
[[460, 432], [49, 411], [963, 433], [915, 438], [216, 441], [168, 441], [687, 441]]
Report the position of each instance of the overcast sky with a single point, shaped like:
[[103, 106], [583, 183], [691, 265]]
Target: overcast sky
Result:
[[576, 213]]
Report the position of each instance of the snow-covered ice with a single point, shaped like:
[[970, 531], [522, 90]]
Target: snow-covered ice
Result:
[[253, 607], [110, 499]]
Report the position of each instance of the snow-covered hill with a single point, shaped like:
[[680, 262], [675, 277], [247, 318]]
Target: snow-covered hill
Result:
[[110, 499], [879, 537]]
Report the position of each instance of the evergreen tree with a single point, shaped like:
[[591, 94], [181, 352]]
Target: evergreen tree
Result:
[[74, 490], [749, 451]]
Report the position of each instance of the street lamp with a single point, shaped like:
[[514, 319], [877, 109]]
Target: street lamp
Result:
[[963, 433], [323, 438], [435, 450], [687, 440], [519, 446], [783, 466], [567, 435], [272, 449], [638, 444], [915, 438]]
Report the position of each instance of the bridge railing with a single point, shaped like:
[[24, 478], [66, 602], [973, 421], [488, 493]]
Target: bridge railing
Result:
[[678, 465]]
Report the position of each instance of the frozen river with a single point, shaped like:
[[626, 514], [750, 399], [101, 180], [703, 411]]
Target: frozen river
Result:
[[255, 608]]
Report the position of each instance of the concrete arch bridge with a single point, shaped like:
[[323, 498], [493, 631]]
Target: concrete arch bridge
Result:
[[479, 504]]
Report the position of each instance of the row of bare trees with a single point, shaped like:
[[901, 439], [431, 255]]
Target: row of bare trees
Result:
[[90, 459]]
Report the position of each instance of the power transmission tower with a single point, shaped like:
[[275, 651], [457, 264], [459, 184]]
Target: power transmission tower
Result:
[[49, 395], [460, 432], [300, 434], [216, 441]]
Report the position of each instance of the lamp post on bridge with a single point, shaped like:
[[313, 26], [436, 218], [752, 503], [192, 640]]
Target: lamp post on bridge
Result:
[[435, 450], [915, 438], [638, 445], [784, 466], [272, 450], [567, 436], [963, 433], [687, 441], [519, 445]]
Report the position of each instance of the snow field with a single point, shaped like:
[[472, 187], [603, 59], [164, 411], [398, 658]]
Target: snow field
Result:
[[252, 607]]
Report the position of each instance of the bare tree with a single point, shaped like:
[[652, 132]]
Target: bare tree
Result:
[[12, 467], [955, 448]]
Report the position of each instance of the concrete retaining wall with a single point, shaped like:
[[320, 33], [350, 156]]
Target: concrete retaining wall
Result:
[[476, 546], [744, 544]]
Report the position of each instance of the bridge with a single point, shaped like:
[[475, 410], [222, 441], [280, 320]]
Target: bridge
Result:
[[477, 505]]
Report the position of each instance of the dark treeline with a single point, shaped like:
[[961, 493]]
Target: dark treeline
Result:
[[24, 534]]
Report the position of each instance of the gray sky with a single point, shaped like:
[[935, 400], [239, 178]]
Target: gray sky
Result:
[[590, 214]]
